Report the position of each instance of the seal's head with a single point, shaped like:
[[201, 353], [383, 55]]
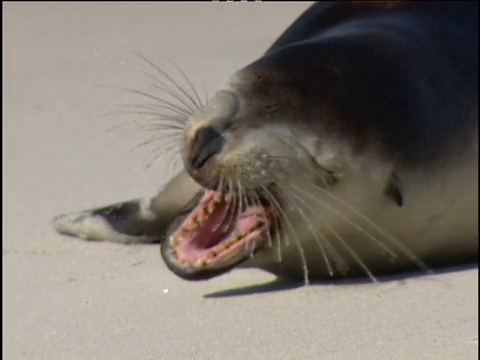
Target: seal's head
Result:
[[273, 153], [239, 149]]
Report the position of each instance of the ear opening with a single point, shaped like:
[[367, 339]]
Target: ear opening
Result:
[[394, 190]]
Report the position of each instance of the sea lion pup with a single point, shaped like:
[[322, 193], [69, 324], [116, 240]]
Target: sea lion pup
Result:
[[349, 148]]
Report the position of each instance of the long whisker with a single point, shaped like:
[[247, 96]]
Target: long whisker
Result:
[[168, 77], [165, 136], [167, 105], [200, 104], [357, 258], [257, 202], [297, 241], [163, 105], [231, 210], [276, 230], [344, 217], [167, 149], [156, 107], [340, 263], [315, 234], [162, 87], [157, 119], [223, 188]]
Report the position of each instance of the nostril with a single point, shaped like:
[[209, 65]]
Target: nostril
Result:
[[208, 141]]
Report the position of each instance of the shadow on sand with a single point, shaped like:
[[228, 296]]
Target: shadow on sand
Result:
[[288, 284]]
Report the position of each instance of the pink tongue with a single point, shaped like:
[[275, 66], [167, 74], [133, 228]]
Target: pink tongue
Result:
[[214, 229], [218, 228]]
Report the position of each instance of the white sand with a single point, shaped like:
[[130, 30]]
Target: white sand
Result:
[[68, 299]]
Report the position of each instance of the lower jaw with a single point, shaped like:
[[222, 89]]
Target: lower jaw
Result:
[[190, 271], [195, 273]]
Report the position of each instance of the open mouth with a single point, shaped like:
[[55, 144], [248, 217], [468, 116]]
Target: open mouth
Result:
[[219, 233]]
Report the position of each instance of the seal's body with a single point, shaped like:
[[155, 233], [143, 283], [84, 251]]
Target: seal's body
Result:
[[350, 148]]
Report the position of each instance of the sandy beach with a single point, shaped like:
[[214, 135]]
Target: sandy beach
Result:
[[65, 298]]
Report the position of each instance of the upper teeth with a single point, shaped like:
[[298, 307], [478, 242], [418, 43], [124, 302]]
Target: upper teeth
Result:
[[211, 207], [218, 198]]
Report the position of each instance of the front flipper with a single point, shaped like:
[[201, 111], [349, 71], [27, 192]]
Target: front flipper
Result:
[[128, 222], [136, 221]]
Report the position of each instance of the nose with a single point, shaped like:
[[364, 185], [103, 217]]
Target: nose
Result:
[[207, 142]]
